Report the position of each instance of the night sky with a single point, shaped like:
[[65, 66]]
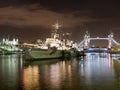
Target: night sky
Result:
[[29, 20]]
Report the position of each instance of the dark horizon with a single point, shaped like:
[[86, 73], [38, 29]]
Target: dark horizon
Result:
[[29, 20]]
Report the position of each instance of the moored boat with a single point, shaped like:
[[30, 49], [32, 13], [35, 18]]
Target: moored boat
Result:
[[52, 48]]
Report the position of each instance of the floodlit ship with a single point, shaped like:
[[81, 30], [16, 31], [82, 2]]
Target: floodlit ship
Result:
[[52, 48]]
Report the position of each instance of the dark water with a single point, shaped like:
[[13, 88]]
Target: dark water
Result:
[[94, 72]]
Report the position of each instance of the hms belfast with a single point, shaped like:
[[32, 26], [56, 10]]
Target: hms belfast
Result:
[[53, 47]]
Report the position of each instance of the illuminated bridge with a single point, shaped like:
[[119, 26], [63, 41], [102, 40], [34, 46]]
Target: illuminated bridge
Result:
[[85, 44], [97, 49]]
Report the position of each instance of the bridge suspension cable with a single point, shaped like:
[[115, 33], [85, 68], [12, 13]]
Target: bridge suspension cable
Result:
[[115, 42], [80, 44]]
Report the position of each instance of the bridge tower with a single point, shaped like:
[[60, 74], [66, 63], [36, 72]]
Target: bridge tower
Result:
[[110, 38], [86, 40]]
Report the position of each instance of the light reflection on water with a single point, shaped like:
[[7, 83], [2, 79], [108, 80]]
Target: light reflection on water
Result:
[[98, 70], [94, 72], [10, 72]]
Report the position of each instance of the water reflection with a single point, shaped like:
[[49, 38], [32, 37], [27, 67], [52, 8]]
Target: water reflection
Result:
[[94, 72], [115, 56], [48, 76], [98, 69], [30, 78], [10, 72]]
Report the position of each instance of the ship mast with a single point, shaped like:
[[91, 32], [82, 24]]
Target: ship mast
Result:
[[55, 31]]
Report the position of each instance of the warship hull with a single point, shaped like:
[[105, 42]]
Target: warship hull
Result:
[[42, 54]]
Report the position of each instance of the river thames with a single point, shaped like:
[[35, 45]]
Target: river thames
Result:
[[94, 72]]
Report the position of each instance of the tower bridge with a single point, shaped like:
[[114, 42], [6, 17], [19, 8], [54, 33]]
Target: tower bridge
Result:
[[85, 43]]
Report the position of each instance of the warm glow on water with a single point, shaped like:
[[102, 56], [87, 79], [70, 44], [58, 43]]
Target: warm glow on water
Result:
[[94, 72]]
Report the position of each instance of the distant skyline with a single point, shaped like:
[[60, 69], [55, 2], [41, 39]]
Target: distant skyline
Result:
[[29, 20]]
